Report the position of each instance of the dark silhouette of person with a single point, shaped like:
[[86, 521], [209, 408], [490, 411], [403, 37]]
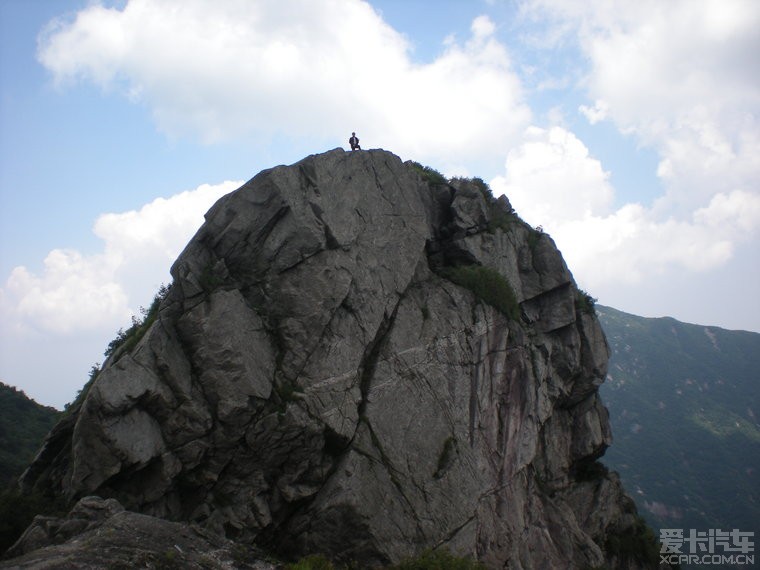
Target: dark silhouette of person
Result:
[[354, 142]]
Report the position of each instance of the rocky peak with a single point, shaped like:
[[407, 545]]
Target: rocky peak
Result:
[[359, 359]]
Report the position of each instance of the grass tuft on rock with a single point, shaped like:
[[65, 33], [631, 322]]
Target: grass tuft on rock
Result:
[[486, 284], [427, 560], [438, 560], [130, 337]]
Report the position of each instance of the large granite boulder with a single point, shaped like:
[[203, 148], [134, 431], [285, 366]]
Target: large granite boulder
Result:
[[316, 381]]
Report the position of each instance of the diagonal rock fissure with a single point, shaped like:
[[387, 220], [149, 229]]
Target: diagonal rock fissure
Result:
[[393, 472], [451, 535], [372, 355], [366, 368], [323, 332]]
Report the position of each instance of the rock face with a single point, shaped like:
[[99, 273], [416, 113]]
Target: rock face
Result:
[[315, 381], [99, 534]]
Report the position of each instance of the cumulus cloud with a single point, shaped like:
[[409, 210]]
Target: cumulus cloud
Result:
[[218, 70], [681, 76], [78, 292], [552, 181], [596, 113], [73, 292], [162, 227], [551, 177]]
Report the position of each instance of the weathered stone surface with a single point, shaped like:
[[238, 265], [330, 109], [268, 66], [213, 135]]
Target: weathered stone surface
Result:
[[100, 534], [312, 382], [469, 208]]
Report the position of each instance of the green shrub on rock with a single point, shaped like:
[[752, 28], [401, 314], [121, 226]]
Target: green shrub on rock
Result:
[[429, 174], [438, 560], [488, 285], [312, 562], [427, 560]]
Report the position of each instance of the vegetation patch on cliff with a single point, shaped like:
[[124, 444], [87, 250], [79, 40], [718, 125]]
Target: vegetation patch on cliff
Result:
[[130, 337], [427, 560], [585, 303], [487, 285], [429, 174], [637, 543]]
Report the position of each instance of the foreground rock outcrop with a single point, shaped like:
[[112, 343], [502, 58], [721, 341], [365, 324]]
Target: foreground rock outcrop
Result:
[[99, 533], [316, 381]]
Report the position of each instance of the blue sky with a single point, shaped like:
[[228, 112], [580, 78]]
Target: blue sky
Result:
[[629, 131]]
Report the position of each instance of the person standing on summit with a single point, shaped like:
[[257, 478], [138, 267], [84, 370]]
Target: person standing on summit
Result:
[[354, 142]]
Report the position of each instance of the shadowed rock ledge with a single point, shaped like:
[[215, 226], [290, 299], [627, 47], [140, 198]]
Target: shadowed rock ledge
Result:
[[316, 381]]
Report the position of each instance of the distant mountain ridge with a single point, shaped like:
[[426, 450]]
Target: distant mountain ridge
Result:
[[684, 403], [23, 425]]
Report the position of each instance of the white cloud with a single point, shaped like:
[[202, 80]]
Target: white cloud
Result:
[[222, 69], [160, 228], [738, 210], [550, 177], [482, 27], [682, 76], [74, 292], [551, 180], [596, 113], [77, 292]]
